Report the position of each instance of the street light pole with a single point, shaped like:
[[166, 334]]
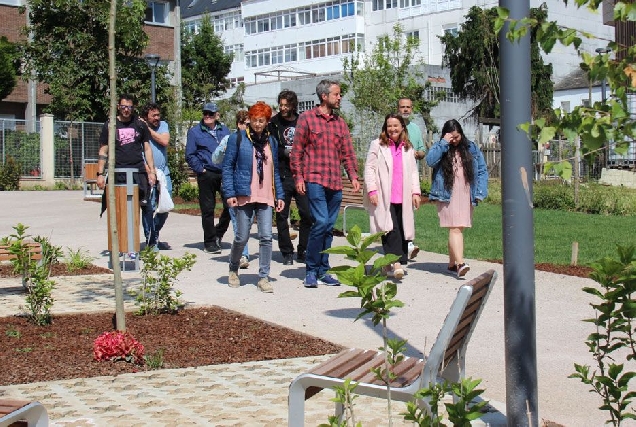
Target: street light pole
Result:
[[603, 51], [153, 60]]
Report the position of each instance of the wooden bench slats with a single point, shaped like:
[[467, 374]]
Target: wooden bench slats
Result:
[[8, 406], [352, 360], [35, 251]]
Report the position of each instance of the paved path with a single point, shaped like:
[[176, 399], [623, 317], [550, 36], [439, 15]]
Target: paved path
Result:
[[255, 393]]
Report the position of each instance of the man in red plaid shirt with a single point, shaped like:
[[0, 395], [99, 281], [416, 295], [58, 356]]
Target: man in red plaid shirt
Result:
[[321, 144]]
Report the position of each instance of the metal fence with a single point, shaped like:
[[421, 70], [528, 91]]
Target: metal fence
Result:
[[23, 147], [74, 143]]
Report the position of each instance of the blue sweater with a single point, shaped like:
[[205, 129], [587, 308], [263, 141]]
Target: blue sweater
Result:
[[238, 166], [479, 187]]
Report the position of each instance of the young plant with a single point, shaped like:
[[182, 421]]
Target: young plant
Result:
[[155, 360], [344, 396], [77, 260], [158, 277], [39, 299], [613, 337], [377, 296]]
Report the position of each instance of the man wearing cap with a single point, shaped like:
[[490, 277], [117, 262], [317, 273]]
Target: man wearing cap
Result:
[[203, 139]]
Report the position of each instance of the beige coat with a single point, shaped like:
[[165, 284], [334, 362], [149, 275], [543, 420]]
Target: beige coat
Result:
[[378, 175]]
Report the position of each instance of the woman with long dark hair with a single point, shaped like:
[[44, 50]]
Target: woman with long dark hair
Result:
[[392, 184], [460, 181]]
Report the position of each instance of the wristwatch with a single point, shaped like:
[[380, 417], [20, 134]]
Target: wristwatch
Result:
[[100, 174]]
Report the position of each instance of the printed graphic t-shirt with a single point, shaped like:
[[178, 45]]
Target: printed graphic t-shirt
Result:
[[129, 143]]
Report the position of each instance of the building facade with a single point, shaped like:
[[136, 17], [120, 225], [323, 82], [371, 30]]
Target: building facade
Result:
[[28, 99]]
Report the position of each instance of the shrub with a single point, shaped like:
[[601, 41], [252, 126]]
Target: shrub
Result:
[[158, 276], [77, 260], [116, 346], [425, 187], [556, 196], [178, 168], [10, 175], [189, 192]]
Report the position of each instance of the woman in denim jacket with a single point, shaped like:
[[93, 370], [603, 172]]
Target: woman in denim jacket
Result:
[[252, 186], [460, 181]]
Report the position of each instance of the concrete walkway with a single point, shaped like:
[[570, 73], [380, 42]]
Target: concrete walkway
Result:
[[255, 394]]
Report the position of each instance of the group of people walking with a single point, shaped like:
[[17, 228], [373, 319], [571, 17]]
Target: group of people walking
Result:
[[268, 161]]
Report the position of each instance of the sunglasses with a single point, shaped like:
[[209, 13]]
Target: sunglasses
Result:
[[208, 113], [126, 107]]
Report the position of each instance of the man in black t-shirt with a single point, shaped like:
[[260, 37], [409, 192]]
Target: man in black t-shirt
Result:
[[132, 150], [283, 126]]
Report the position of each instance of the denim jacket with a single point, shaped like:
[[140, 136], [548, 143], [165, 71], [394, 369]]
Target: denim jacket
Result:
[[238, 166], [479, 187]]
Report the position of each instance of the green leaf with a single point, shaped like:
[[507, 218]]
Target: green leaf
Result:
[[547, 134]]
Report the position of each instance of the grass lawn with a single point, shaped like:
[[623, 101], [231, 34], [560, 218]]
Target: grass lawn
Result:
[[554, 233]]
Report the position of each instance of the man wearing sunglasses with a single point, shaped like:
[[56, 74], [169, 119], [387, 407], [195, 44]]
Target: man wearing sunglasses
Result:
[[203, 139], [132, 150]]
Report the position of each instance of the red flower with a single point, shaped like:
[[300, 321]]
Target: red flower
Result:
[[118, 345]]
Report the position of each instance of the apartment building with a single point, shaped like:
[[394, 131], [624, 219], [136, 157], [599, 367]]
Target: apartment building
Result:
[[28, 99]]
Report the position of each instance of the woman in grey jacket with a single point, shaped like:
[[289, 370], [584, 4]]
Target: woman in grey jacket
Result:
[[460, 181], [252, 186]]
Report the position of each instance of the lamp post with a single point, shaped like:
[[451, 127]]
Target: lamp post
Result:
[[603, 51], [153, 60]]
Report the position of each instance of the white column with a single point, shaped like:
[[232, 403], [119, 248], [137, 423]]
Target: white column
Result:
[[47, 151]]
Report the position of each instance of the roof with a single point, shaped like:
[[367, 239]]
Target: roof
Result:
[[201, 7], [577, 79]]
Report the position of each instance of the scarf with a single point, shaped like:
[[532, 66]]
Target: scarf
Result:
[[259, 143]]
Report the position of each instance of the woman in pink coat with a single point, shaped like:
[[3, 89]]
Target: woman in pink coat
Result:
[[392, 184]]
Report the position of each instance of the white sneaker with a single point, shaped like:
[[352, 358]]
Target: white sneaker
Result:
[[244, 262], [413, 250]]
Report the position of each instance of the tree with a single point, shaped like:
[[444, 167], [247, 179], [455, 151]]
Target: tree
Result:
[[377, 80], [204, 65], [69, 52], [8, 67], [473, 59]]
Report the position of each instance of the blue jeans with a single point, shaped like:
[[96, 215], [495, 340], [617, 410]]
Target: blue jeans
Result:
[[244, 216], [324, 205], [246, 252], [153, 223]]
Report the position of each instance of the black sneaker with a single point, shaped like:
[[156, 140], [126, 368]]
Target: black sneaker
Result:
[[288, 259], [212, 248], [301, 257]]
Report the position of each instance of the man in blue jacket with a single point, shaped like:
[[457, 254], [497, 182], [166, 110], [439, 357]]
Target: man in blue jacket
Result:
[[203, 139]]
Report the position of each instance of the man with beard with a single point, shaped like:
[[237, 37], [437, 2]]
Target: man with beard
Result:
[[405, 108], [321, 143], [283, 126], [159, 141], [132, 150]]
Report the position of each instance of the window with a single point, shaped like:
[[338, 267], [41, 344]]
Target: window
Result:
[[377, 5], [391, 4], [565, 106], [251, 60], [453, 31], [405, 3], [218, 24], [360, 8], [305, 105], [277, 22], [333, 12], [291, 53], [585, 103], [264, 57], [192, 27], [277, 55], [413, 35], [289, 20], [347, 9], [250, 27], [304, 16], [333, 46], [318, 14], [263, 25], [157, 12]]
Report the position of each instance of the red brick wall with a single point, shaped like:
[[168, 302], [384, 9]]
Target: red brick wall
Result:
[[12, 23], [160, 41]]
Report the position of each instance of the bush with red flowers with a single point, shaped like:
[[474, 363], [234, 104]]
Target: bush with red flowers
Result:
[[118, 345]]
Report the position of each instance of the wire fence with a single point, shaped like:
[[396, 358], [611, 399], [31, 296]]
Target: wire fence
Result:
[[73, 144]]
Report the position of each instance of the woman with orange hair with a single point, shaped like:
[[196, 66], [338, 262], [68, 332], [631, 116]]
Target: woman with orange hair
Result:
[[252, 187]]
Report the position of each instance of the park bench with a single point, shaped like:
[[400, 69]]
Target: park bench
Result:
[[35, 254], [350, 199], [89, 179], [18, 413], [445, 361]]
